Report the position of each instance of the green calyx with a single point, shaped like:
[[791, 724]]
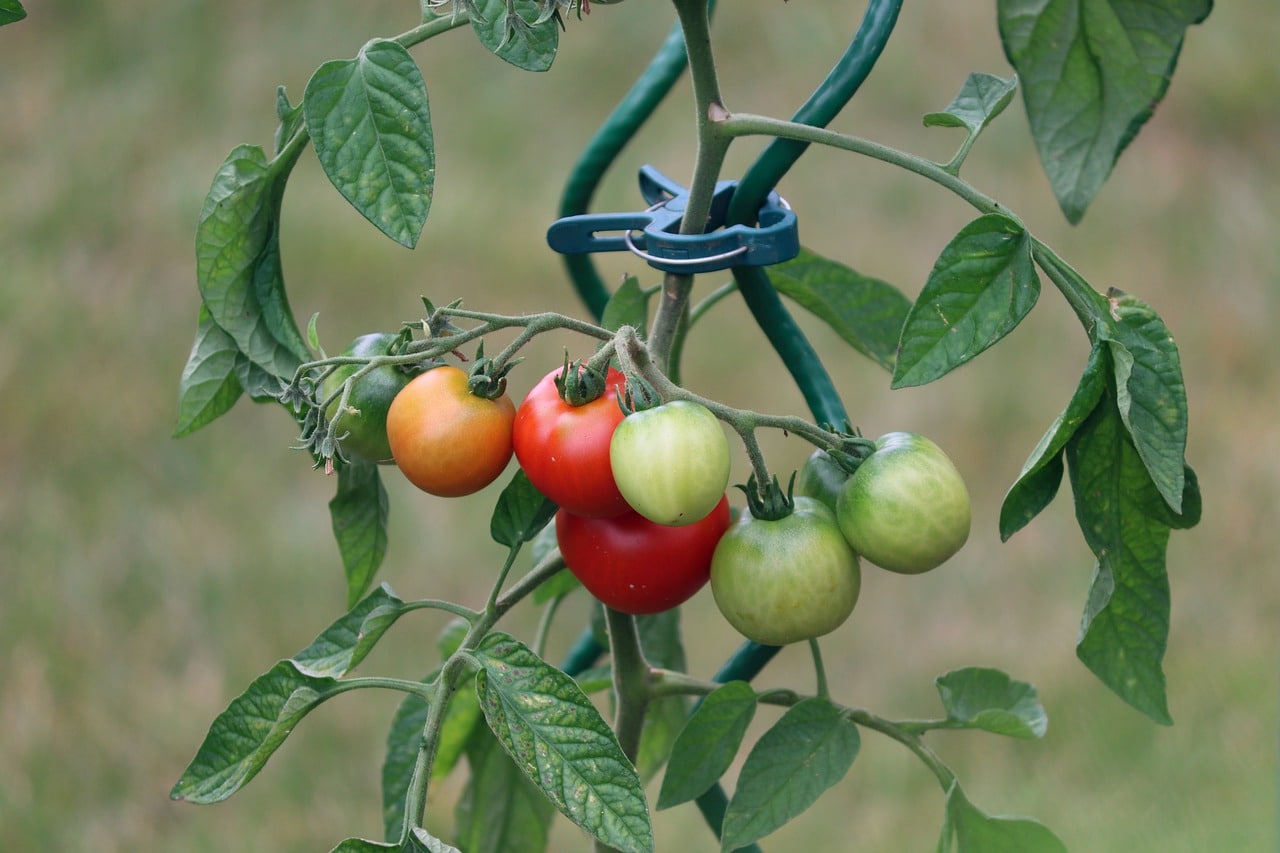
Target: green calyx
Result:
[[579, 383], [770, 503], [638, 395], [488, 377]]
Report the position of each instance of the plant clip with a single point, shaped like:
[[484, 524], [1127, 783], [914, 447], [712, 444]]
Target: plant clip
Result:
[[776, 239]]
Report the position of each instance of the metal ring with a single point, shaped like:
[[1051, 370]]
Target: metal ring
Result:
[[681, 262]]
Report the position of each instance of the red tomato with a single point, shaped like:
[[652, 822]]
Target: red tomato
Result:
[[637, 566], [446, 440], [564, 449]]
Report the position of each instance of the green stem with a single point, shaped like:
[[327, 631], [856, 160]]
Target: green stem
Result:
[[819, 670], [630, 683], [433, 27], [437, 704]]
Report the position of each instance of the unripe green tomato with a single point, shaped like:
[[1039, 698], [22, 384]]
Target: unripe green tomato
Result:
[[822, 477], [786, 580], [365, 428], [671, 462], [906, 508]]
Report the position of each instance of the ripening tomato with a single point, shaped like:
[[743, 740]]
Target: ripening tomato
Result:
[[822, 477], [634, 565], [564, 449], [363, 426], [446, 440]]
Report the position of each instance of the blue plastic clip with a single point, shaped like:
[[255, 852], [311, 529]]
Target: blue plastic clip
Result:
[[774, 240]]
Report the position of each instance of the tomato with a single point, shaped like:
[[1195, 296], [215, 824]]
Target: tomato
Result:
[[564, 449], [634, 565], [446, 440], [671, 462], [786, 580], [363, 426], [821, 477], [906, 508]]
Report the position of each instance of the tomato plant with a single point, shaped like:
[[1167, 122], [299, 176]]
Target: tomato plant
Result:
[[782, 580], [671, 462], [638, 566], [906, 507], [364, 421], [564, 448], [446, 440]]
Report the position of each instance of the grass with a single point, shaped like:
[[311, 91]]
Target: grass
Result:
[[148, 580]]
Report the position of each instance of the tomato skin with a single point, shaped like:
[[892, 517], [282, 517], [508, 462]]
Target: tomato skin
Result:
[[446, 440], [786, 580], [634, 565], [822, 477], [365, 429], [906, 508], [564, 449], [671, 462]]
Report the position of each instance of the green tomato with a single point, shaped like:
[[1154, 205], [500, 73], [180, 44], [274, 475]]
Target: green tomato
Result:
[[906, 508], [786, 580], [364, 423], [822, 477], [671, 462]]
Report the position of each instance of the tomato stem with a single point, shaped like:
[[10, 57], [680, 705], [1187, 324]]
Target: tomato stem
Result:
[[819, 670]]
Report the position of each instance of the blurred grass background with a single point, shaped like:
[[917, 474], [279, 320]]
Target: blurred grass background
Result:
[[148, 580]]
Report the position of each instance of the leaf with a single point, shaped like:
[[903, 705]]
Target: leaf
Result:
[[420, 841], [807, 751], [253, 726], [238, 262], [981, 287], [521, 512], [209, 386], [557, 737], [977, 832], [1092, 72], [500, 811], [514, 39], [371, 127], [1125, 627], [291, 119], [980, 100], [11, 11], [988, 699], [1041, 474], [1150, 393], [359, 513], [558, 585], [628, 306], [661, 643], [339, 648], [866, 312], [708, 743]]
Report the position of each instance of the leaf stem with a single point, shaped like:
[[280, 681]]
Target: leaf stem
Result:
[[819, 670]]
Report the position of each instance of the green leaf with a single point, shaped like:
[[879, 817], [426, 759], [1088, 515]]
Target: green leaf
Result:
[[420, 841], [11, 11], [291, 119], [1125, 627], [981, 287], [708, 743], [1150, 393], [209, 386], [343, 645], [371, 127], [558, 738], [1092, 72], [238, 262], [988, 699], [661, 643], [359, 513], [500, 811], [253, 726], [807, 751], [980, 100], [978, 832], [558, 585], [399, 759], [1041, 475], [628, 306], [866, 312], [513, 38], [521, 512]]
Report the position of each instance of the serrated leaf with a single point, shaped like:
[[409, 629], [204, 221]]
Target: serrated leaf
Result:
[[708, 743], [1092, 73], [557, 737], [979, 101], [988, 699], [981, 287], [865, 312], [627, 306], [238, 262], [501, 810], [359, 513], [11, 11], [339, 648], [1150, 393], [977, 832], [1125, 626], [521, 512], [807, 751], [516, 40], [209, 386], [253, 726], [1041, 474], [370, 124]]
